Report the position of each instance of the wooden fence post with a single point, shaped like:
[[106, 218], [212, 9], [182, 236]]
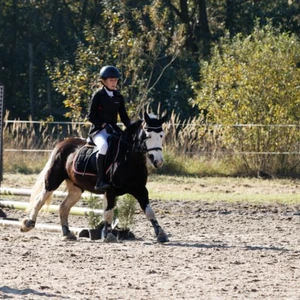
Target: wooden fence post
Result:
[[1, 130]]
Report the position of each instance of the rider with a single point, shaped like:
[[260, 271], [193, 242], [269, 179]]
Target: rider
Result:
[[105, 106]]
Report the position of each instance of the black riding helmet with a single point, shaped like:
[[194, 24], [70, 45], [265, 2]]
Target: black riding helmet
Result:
[[109, 72]]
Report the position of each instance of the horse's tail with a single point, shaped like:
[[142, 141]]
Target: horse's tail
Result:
[[39, 186]]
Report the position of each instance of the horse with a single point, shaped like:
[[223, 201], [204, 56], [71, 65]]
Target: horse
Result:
[[142, 142]]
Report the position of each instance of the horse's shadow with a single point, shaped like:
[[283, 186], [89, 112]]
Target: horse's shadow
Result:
[[225, 246], [197, 245], [8, 290]]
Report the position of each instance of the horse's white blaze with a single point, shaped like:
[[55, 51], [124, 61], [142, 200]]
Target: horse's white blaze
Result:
[[155, 140], [149, 213]]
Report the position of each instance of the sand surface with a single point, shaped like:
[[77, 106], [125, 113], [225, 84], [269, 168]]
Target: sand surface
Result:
[[216, 251]]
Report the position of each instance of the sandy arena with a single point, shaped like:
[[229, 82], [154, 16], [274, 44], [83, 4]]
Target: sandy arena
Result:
[[216, 251]]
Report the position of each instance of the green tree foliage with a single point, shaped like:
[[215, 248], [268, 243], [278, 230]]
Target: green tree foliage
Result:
[[239, 16], [75, 80], [254, 80], [53, 29], [142, 49]]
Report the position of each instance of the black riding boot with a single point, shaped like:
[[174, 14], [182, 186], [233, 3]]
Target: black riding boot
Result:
[[101, 184]]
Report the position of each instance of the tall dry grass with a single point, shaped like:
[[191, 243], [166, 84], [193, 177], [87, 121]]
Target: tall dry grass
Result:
[[18, 134], [192, 147], [196, 147], [22, 141]]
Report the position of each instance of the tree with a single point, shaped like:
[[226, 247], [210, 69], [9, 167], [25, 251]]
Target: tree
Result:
[[31, 33], [54, 28], [193, 16], [142, 48], [254, 80]]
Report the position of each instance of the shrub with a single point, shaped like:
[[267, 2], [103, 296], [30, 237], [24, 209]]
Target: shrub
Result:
[[255, 80]]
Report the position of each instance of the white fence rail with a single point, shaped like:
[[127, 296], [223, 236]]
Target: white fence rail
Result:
[[177, 125]]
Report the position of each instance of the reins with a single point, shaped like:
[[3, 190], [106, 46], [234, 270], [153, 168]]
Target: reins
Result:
[[141, 145]]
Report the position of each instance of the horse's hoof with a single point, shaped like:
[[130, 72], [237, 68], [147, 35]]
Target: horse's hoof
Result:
[[162, 237], [70, 236], [27, 225], [110, 238]]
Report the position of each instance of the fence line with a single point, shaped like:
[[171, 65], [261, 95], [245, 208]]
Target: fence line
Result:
[[176, 124], [198, 152], [44, 122], [27, 150]]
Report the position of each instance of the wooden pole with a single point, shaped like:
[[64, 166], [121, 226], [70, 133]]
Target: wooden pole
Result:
[[27, 192], [77, 211], [48, 227]]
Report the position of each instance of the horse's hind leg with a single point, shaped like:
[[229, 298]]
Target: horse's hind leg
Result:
[[36, 205], [74, 194]]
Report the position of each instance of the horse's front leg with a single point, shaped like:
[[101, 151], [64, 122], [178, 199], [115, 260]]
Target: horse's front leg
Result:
[[143, 199], [108, 215]]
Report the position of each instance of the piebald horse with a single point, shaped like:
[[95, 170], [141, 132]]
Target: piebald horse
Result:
[[143, 145]]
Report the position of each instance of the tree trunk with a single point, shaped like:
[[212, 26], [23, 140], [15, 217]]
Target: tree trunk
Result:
[[229, 16], [30, 72], [204, 27], [49, 96]]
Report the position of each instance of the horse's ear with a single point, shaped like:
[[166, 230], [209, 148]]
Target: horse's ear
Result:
[[164, 118], [147, 118]]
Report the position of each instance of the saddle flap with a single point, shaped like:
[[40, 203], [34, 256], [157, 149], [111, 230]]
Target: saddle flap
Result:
[[85, 160]]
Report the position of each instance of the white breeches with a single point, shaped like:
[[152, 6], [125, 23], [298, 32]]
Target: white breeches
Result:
[[100, 140]]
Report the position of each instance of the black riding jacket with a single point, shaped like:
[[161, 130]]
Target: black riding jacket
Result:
[[104, 110]]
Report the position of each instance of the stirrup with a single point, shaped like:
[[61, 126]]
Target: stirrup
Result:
[[102, 186]]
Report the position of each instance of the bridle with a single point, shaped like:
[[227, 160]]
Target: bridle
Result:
[[144, 139]]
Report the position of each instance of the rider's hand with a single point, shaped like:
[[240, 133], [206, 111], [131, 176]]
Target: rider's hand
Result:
[[135, 124]]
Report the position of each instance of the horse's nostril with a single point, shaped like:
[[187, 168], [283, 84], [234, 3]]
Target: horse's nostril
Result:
[[151, 157]]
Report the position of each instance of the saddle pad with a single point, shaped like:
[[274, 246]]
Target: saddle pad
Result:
[[85, 161]]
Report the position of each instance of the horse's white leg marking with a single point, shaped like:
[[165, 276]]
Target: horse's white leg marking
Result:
[[108, 215], [149, 213], [38, 204], [74, 193], [160, 234], [104, 202]]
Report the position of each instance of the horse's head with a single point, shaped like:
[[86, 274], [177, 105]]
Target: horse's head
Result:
[[154, 135]]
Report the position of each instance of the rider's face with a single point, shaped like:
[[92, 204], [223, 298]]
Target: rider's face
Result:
[[111, 83]]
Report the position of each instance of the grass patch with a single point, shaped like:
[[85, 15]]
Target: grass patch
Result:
[[229, 189], [25, 162], [199, 165]]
